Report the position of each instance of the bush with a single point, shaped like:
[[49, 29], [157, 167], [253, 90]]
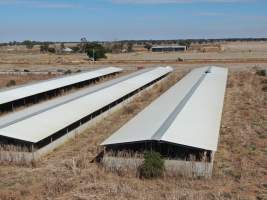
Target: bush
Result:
[[153, 165], [68, 72], [180, 59], [51, 50], [44, 48], [262, 72], [11, 83]]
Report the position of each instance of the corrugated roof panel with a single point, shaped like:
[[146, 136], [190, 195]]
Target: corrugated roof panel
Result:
[[44, 86], [43, 125], [13, 117], [189, 113]]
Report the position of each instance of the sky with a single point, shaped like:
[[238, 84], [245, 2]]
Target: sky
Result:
[[111, 20]]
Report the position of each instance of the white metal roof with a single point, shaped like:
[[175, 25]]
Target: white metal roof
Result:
[[44, 86], [189, 113], [44, 124], [14, 117], [67, 49]]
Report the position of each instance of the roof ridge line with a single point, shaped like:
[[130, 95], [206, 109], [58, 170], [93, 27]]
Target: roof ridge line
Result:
[[167, 123]]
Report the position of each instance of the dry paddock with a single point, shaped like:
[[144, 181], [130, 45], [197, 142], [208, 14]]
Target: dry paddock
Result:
[[6, 80], [240, 163]]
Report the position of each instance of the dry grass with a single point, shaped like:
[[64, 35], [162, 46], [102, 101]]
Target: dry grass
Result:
[[22, 79], [234, 52], [239, 171]]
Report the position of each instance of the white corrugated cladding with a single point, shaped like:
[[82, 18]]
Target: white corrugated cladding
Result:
[[45, 86], [40, 126], [189, 113]]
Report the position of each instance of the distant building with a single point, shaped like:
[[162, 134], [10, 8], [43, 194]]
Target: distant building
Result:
[[67, 50], [168, 48]]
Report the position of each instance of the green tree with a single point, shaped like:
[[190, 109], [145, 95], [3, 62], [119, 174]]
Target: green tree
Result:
[[62, 46], [130, 47], [148, 46], [83, 44], [95, 51], [29, 44], [186, 43]]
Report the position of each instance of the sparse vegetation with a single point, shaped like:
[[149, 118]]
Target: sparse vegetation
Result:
[[68, 72], [11, 83], [186, 43], [129, 47], [117, 47], [11, 80], [44, 48]]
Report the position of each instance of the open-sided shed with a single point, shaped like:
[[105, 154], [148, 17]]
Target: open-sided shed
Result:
[[182, 124], [30, 93], [41, 131]]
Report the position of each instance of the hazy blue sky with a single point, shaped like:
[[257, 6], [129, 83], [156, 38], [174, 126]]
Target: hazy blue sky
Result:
[[65, 20]]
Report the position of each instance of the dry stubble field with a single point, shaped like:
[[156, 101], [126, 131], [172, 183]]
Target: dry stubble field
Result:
[[240, 170]]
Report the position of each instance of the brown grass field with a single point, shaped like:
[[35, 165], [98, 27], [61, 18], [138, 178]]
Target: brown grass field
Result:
[[22, 79], [240, 167]]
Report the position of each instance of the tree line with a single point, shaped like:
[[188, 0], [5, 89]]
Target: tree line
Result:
[[97, 50]]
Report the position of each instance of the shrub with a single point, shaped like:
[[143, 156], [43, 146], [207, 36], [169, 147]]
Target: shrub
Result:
[[153, 165], [68, 71], [180, 59], [44, 48], [51, 50], [11, 83], [261, 72]]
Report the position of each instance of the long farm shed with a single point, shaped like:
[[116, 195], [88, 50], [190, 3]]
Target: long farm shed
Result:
[[32, 93], [182, 125], [40, 130]]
